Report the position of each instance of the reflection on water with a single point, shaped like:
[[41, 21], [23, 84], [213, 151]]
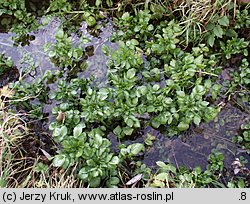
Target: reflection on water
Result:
[[96, 61], [192, 149]]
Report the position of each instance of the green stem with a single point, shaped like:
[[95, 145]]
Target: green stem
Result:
[[211, 74]]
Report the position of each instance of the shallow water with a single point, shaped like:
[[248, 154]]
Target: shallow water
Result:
[[193, 148]]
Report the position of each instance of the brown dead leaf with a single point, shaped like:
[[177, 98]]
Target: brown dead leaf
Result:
[[6, 92], [225, 75]]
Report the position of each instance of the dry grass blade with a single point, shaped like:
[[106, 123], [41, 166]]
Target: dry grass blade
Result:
[[135, 179]]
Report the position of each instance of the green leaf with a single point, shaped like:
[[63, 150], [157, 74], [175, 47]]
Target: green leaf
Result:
[[158, 183], [171, 168], [89, 91], [136, 148], [59, 160], [208, 84], [168, 100], [125, 16], [150, 108], [52, 53], [137, 29], [64, 131], [131, 73], [204, 103], [156, 87], [150, 27], [115, 160], [52, 126], [181, 94], [95, 182], [129, 122], [60, 34], [128, 130], [198, 60], [210, 114], [57, 132], [98, 3], [105, 50], [156, 123], [142, 90], [83, 174], [161, 164], [90, 21], [216, 90], [134, 42], [210, 26], [231, 33], [162, 176], [218, 31], [78, 129], [98, 139], [148, 140], [197, 120], [224, 21], [79, 153], [183, 126], [114, 181], [109, 3], [210, 40], [117, 131]]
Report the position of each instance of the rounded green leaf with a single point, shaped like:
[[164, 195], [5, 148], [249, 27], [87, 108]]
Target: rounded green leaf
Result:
[[83, 174], [98, 139], [52, 53], [114, 161], [95, 182], [90, 21], [98, 3], [129, 122], [131, 73], [156, 87], [59, 160], [78, 129], [63, 131], [136, 148], [183, 126], [60, 34], [125, 16], [156, 123], [197, 120], [114, 181], [150, 27], [127, 130]]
